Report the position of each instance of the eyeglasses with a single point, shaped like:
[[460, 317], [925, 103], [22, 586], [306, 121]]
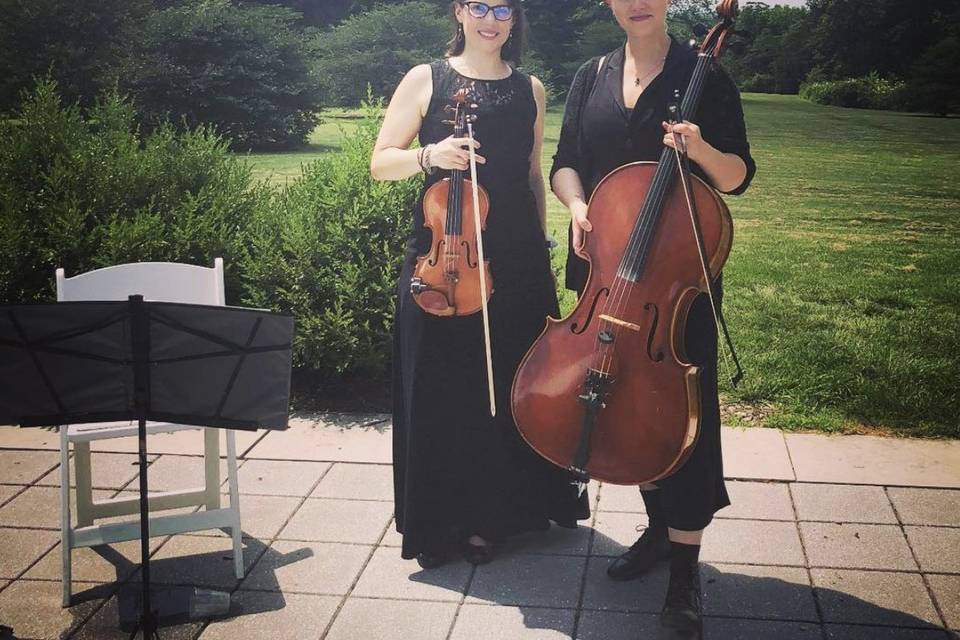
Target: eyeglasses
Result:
[[479, 10]]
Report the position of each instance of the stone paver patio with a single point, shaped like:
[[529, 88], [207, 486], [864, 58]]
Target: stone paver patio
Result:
[[828, 538]]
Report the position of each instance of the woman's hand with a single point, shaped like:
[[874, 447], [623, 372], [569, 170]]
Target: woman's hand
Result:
[[725, 171], [580, 225], [454, 153], [696, 145]]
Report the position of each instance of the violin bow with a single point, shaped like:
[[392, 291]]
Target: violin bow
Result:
[[483, 276], [713, 46]]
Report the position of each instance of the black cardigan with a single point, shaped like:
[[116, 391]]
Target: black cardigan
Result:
[[607, 135]]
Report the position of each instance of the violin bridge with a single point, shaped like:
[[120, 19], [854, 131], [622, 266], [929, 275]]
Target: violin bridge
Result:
[[620, 323]]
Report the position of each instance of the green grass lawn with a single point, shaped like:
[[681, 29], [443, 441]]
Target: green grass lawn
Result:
[[278, 168], [843, 288]]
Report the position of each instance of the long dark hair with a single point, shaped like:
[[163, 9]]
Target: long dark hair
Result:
[[513, 48]]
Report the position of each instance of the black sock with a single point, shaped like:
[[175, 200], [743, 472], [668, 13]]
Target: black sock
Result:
[[684, 558], [651, 501]]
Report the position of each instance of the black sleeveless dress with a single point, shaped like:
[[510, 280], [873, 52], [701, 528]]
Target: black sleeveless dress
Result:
[[457, 471]]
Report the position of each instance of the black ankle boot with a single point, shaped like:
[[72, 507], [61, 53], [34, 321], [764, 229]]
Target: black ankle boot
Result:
[[431, 560], [681, 613], [649, 549]]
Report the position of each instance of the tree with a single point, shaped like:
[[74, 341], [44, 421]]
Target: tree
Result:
[[378, 47], [935, 82], [852, 38], [75, 42], [770, 50], [244, 69]]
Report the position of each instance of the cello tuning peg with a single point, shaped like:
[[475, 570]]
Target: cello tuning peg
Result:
[[450, 108], [472, 118], [450, 122]]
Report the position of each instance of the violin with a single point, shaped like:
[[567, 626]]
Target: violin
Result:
[[446, 280], [453, 277], [608, 392]]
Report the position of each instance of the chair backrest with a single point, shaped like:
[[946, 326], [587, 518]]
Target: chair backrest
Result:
[[156, 281]]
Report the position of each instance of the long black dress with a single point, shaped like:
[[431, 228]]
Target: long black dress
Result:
[[599, 134], [457, 471]]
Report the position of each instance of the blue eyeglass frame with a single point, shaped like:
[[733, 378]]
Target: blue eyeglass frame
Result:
[[501, 12]]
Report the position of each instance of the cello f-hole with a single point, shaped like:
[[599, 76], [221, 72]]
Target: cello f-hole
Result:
[[658, 357], [575, 328]]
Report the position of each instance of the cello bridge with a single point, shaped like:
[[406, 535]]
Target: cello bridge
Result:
[[620, 323]]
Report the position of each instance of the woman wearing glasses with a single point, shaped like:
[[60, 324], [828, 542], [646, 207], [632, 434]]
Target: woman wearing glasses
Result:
[[463, 479], [616, 113]]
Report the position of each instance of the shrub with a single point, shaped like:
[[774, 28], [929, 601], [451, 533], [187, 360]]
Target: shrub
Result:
[[759, 83], [82, 189], [869, 92], [328, 251], [244, 69]]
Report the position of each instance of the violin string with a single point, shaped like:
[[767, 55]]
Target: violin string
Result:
[[448, 235]]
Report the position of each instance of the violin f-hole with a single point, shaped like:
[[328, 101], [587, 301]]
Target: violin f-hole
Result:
[[434, 259], [470, 262]]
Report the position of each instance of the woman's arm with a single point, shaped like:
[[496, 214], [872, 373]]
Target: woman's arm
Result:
[[726, 171], [718, 142], [536, 170], [569, 190], [565, 179], [392, 158]]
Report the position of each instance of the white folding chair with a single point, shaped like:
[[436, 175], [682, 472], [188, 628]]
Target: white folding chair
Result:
[[161, 282]]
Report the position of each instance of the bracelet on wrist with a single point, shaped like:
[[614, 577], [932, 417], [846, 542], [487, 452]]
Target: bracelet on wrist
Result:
[[428, 167]]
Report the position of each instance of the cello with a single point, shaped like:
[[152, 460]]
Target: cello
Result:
[[608, 392]]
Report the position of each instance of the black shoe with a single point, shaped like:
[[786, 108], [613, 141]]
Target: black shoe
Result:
[[477, 554], [650, 548], [681, 610], [431, 560]]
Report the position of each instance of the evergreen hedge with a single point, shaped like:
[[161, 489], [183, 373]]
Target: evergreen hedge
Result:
[[83, 189]]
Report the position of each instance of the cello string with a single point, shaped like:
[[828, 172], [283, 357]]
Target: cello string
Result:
[[639, 246]]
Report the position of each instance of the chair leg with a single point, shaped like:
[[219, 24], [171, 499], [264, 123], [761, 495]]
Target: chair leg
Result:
[[81, 469], [211, 466], [65, 515], [235, 504]]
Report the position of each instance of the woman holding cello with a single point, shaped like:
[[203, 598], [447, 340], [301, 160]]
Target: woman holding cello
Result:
[[463, 478], [617, 113]]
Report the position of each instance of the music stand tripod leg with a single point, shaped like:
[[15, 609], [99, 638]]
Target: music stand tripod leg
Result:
[[140, 339], [148, 622]]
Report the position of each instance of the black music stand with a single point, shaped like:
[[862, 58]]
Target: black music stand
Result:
[[82, 362]]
